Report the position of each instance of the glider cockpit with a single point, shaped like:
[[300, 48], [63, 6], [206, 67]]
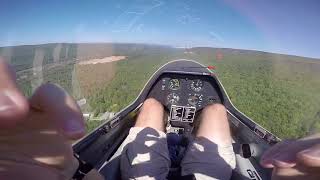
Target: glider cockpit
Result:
[[184, 87]]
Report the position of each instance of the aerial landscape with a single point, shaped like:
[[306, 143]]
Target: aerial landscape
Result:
[[160, 89], [280, 92]]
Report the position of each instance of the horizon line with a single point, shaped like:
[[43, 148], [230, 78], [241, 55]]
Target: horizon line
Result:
[[155, 44]]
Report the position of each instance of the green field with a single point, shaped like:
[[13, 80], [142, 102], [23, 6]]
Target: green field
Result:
[[280, 92]]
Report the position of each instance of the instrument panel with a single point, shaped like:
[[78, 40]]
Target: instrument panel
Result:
[[185, 95]]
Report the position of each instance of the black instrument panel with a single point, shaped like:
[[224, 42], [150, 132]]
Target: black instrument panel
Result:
[[185, 90]]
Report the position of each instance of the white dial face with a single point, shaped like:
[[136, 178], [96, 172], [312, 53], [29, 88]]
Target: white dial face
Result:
[[196, 85]]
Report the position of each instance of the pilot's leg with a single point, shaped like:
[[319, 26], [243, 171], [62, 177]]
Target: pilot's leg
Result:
[[146, 154], [210, 155]]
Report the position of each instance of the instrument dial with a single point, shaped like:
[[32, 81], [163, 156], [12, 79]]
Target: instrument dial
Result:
[[195, 99], [173, 98], [196, 85], [174, 84]]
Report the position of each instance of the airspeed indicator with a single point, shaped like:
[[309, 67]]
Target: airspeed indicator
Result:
[[174, 84]]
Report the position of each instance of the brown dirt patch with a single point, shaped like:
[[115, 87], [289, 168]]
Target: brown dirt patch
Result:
[[103, 60], [96, 73]]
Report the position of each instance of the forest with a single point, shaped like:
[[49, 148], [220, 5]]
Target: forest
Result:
[[280, 92]]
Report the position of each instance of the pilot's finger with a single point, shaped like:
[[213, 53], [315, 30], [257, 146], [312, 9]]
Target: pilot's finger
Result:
[[287, 158], [310, 157], [267, 160], [13, 105], [62, 109]]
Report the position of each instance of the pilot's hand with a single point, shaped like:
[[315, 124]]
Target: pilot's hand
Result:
[[36, 134], [294, 159]]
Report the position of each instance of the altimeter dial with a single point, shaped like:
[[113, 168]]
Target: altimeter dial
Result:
[[196, 85]]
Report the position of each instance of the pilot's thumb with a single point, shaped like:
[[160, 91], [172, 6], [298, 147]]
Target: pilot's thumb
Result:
[[310, 157], [13, 105], [61, 108]]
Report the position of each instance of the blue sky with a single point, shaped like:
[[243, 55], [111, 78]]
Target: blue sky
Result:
[[286, 26]]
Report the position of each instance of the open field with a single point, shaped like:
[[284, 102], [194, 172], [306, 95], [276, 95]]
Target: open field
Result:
[[103, 60], [95, 74], [280, 92]]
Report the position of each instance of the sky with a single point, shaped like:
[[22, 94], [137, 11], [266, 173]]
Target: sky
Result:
[[286, 26]]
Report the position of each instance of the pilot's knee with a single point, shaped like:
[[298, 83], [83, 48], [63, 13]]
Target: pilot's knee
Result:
[[215, 108], [153, 104], [151, 115]]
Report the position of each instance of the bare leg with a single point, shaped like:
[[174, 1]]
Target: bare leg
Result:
[[214, 125], [210, 155], [145, 154], [151, 115]]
